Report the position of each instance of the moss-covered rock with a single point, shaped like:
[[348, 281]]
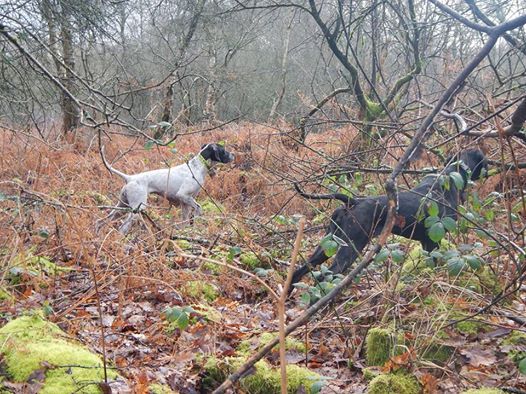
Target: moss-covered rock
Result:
[[246, 346], [378, 344], [484, 390], [201, 290], [381, 344], [264, 380], [394, 383], [30, 341], [370, 373]]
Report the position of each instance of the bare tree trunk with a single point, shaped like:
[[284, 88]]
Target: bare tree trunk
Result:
[[168, 103], [65, 70], [209, 110], [168, 98], [284, 61], [70, 112]]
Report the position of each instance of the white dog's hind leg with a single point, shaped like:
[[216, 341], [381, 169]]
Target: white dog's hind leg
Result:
[[135, 196]]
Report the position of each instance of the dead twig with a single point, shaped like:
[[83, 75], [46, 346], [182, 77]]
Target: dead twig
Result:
[[281, 307]]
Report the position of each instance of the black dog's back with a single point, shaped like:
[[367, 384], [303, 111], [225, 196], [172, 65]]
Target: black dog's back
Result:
[[357, 224]]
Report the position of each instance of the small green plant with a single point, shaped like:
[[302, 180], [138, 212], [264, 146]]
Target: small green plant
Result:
[[325, 281], [457, 260], [179, 317], [201, 290], [392, 250], [331, 243], [437, 226]]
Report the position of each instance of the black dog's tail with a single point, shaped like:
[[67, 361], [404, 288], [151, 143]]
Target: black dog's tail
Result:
[[349, 201]]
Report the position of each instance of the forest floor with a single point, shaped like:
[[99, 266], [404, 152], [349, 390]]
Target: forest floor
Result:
[[165, 311]]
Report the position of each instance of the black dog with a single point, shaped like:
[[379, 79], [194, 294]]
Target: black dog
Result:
[[363, 218]]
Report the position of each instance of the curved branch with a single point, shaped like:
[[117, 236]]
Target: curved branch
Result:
[[318, 107], [331, 40], [483, 17]]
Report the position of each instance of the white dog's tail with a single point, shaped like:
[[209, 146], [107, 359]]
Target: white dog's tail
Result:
[[111, 169]]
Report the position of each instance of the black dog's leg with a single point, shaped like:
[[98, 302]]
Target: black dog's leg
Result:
[[429, 245], [348, 254], [361, 224], [354, 227], [317, 258]]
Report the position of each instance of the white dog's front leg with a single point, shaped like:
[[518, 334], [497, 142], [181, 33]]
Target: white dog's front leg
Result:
[[190, 208]]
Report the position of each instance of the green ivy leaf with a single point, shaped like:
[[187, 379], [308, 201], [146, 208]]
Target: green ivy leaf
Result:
[[449, 223], [397, 255], [316, 387], [474, 262], [436, 232], [457, 179], [455, 265], [177, 316], [430, 220], [149, 145], [489, 215], [305, 299], [382, 256], [329, 246], [436, 254], [300, 285], [43, 233], [522, 366], [233, 252], [432, 209], [47, 309], [280, 219]]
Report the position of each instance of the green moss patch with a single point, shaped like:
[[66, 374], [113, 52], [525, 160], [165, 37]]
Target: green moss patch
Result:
[[381, 344], [469, 327], [394, 383], [437, 353], [370, 373], [249, 260], [30, 341], [265, 379], [183, 244], [201, 290], [484, 390], [291, 344], [5, 295], [515, 346], [212, 207], [28, 264]]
